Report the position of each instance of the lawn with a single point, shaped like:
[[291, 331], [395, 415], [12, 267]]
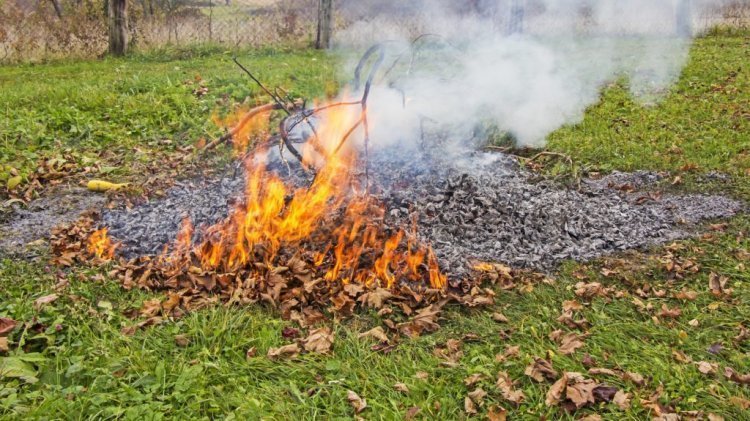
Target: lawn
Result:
[[69, 358]]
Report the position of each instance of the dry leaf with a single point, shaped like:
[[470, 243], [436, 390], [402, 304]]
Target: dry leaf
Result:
[[182, 340], [718, 285], [714, 417], [505, 385], [681, 357], [6, 325], [540, 370], [401, 387], [740, 402], [736, 377], [478, 396], [412, 412], [581, 393], [622, 400], [4, 344], [499, 317], [595, 371], [634, 377], [671, 313], [319, 341], [469, 406], [356, 402], [376, 332], [41, 301], [510, 351], [473, 379], [694, 323], [569, 343], [421, 375], [286, 351], [592, 417], [375, 299], [497, 413], [251, 352], [706, 367], [555, 392]]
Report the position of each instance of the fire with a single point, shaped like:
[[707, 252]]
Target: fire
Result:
[[332, 222], [246, 131], [100, 245]]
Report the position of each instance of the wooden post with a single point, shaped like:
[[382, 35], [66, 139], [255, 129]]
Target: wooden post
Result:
[[325, 23], [118, 27]]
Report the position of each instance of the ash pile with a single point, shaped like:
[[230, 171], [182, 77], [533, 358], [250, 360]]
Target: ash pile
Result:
[[477, 206]]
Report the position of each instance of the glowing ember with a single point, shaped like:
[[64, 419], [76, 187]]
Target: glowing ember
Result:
[[100, 245]]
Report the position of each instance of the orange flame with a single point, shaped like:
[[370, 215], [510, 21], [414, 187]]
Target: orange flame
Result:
[[100, 245]]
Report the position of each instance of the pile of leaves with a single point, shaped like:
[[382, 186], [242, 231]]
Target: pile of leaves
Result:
[[293, 284]]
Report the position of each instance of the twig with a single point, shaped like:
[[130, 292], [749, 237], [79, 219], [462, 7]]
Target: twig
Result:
[[242, 123]]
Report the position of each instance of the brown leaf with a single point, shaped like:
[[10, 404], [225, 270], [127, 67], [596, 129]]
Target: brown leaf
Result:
[[572, 305], [286, 351], [686, 295], [182, 340], [319, 341], [510, 352], [289, 333], [718, 285], [401, 387], [421, 375], [505, 385], [497, 413], [251, 352], [4, 344], [622, 400], [596, 371], [540, 370], [592, 417], [604, 393], [499, 317], [41, 301], [706, 367], [581, 393], [743, 335], [555, 392], [375, 299], [671, 313], [376, 332], [634, 377], [424, 321], [473, 379], [569, 343], [742, 403], [6, 325], [478, 396], [681, 357], [412, 412], [469, 406], [736, 377], [356, 402]]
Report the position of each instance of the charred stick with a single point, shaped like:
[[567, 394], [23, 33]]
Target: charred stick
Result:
[[242, 123], [273, 96]]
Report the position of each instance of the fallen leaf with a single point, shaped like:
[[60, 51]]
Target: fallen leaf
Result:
[[4, 344], [743, 335], [634, 377], [499, 317], [497, 413], [505, 385], [251, 352], [6, 325], [473, 379], [376, 332], [604, 393], [714, 417], [286, 351], [740, 402], [478, 396], [569, 343], [540, 370], [319, 341], [622, 400], [289, 333], [401, 387], [510, 352], [421, 375], [694, 323], [182, 340], [555, 392], [375, 299], [424, 321], [41, 301], [671, 313], [412, 412], [716, 348], [469, 406], [718, 285], [596, 371], [681, 357], [356, 402], [736, 377], [706, 367], [686, 295], [592, 417]]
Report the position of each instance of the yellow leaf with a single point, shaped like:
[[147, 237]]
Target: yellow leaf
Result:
[[13, 182]]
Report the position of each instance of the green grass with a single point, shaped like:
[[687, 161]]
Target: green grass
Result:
[[86, 368]]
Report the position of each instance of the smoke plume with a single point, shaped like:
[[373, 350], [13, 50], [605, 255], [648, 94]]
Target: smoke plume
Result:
[[525, 67]]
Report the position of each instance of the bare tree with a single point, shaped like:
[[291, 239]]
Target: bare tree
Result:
[[118, 26], [325, 24]]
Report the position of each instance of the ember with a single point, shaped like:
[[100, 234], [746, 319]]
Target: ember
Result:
[[100, 245]]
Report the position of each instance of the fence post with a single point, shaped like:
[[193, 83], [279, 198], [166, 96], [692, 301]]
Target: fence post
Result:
[[118, 26], [684, 19], [325, 23]]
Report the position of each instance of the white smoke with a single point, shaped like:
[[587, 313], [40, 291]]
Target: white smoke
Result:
[[528, 70]]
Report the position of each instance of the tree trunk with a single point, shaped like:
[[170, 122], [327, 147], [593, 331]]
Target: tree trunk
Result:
[[58, 8], [118, 27], [325, 24]]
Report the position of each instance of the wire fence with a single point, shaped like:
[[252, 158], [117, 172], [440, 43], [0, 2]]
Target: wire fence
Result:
[[35, 30]]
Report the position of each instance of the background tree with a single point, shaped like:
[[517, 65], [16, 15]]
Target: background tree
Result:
[[325, 24], [117, 12]]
